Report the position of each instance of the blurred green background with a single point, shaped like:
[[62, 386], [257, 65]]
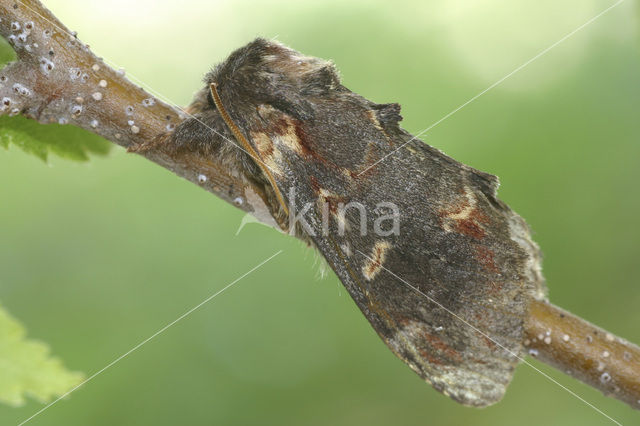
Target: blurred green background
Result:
[[96, 257]]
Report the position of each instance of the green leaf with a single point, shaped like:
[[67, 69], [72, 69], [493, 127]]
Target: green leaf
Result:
[[7, 54], [34, 138], [26, 367], [38, 139]]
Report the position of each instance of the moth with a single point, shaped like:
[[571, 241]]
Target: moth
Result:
[[447, 288]]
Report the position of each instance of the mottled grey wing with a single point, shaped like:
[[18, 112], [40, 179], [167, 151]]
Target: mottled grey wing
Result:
[[448, 292]]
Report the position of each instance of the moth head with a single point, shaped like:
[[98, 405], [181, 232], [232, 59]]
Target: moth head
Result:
[[264, 72], [267, 72], [263, 75]]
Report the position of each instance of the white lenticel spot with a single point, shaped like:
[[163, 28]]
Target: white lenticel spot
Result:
[[21, 90], [74, 73], [46, 66]]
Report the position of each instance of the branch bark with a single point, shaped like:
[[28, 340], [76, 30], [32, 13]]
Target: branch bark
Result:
[[58, 79], [584, 351]]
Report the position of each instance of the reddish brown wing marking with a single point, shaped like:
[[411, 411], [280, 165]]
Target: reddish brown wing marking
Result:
[[465, 217]]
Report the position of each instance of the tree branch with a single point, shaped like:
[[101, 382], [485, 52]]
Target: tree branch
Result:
[[584, 351], [58, 79]]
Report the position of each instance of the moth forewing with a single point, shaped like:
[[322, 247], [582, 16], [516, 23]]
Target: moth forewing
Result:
[[448, 291]]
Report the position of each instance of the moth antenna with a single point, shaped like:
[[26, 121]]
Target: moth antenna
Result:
[[246, 145]]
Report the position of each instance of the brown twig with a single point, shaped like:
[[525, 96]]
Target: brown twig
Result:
[[58, 79], [584, 351]]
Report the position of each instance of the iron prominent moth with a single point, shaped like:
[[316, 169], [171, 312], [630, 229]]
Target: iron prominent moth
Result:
[[444, 280]]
